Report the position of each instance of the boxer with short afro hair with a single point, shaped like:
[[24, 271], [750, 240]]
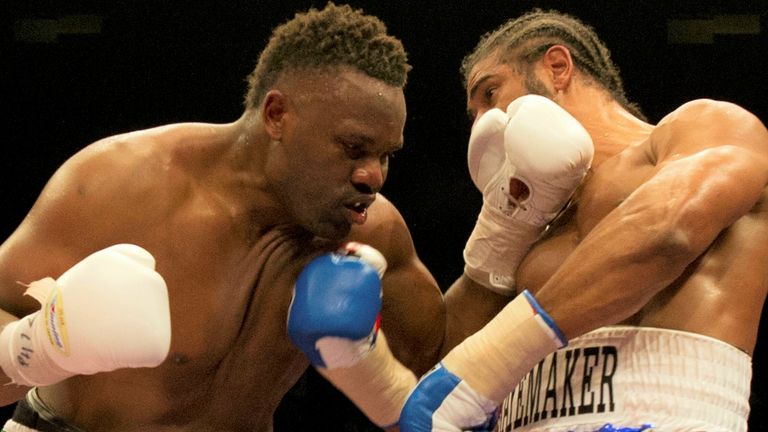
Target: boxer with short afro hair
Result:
[[334, 36]]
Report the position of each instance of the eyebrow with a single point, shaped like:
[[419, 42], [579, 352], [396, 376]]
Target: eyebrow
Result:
[[473, 90], [365, 140], [477, 84], [357, 137]]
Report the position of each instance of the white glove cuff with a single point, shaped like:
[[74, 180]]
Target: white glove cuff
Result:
[[495, 249], [22, 357], [340, 352]]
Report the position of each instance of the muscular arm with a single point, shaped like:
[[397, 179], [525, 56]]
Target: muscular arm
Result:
[[463, 296], [412, 321], [712, 172], [32, 252], [76, 214], [413, 314]]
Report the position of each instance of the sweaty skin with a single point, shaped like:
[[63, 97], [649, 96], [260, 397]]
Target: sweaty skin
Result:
[[677, 216], [668, 226], [229, 212], [721, 292]]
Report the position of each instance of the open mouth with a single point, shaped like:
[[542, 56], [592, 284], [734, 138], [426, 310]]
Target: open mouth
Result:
[[358, 207], [357, 211]]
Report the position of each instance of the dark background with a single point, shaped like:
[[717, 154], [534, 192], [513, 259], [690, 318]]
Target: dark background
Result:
[[75, 71]]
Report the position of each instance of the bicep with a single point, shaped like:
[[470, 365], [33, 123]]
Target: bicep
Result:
[[413, 313], [39, 247], [714, 166]]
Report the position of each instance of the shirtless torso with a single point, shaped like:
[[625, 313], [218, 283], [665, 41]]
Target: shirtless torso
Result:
[[721, 293], [229, 276], [628, 376]]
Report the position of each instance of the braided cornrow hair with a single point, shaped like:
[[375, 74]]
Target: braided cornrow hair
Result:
[[526, 38], [331, 37]]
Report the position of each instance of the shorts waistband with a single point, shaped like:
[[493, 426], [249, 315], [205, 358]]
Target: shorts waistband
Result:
[[633, 375], [31, 412]]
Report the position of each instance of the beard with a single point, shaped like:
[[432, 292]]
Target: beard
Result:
[[533, 85]]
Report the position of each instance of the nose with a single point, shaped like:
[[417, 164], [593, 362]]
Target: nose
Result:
[[479, 114], [369, 175]]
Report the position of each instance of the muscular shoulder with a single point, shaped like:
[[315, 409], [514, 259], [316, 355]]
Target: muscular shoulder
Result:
[[704, 111], [114, 170], [108, 186], [707, 123], [385, 230]]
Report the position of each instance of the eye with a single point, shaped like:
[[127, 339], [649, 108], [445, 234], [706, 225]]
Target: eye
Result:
[[386, 157], [489, 93], [354, 151]]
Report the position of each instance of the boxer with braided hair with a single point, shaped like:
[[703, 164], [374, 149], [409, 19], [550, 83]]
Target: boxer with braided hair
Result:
[[528, 37], [642, 295]]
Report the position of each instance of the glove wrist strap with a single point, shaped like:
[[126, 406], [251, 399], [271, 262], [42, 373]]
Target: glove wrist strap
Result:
[[23, 357], [495, 249]]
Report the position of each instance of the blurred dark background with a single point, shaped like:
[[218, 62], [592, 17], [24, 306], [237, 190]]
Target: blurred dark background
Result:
[[75, 71]]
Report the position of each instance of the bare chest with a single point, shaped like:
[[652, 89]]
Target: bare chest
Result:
[[602, 191], [232, 332], [230, 360]]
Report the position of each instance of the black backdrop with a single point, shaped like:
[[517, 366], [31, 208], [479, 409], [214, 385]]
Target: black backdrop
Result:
[[127, 64]]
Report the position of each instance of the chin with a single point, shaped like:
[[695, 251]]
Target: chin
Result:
[[330, 231]]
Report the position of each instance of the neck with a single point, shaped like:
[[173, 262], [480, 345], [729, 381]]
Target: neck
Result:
[[611, 127], [239, 171], [240, 156]]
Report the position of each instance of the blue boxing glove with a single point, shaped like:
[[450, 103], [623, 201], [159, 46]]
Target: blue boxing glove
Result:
[[334, 315], [334, 320], [443, 402]]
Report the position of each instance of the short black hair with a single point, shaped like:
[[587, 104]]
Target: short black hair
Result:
[[331, 37]]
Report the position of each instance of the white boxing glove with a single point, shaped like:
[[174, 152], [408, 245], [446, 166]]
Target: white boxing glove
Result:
[[538, 147], [109, 311]]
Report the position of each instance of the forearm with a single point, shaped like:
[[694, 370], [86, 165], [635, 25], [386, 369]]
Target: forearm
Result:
[[598, 286], [624, 261], [469, 306], [378, 384], [647, 242]]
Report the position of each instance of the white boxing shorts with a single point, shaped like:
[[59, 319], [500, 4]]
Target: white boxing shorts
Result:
[[631, 376]]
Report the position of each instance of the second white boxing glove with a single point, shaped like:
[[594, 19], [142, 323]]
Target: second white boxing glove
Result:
[[108, 311], [535, 144]]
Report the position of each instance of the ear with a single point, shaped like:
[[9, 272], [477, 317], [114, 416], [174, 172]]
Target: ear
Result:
[[272, 112], [559, 65]]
